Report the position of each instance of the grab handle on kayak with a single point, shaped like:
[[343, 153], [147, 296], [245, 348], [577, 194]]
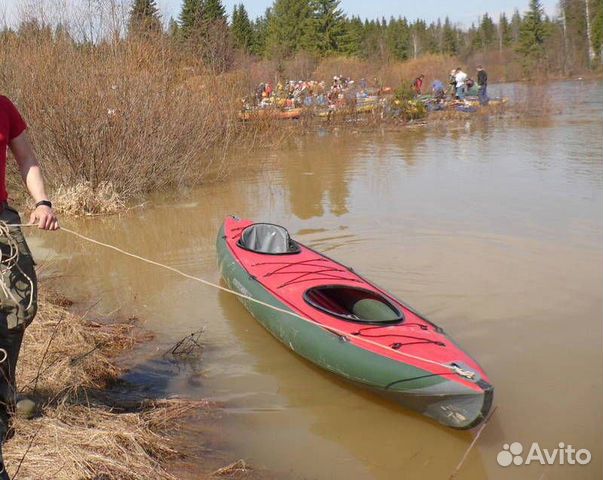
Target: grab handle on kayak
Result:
[[464, 371]]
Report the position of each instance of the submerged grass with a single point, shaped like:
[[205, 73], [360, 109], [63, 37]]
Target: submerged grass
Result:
[[83, 198], [66, 364]]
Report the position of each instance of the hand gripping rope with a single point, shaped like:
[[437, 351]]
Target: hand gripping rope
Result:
[[4, 231]]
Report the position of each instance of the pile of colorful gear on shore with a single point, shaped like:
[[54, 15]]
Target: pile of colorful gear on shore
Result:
[[292, 98]]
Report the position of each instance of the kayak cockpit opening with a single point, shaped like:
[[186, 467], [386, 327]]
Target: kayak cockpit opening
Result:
[[353, 304], [268, 239]]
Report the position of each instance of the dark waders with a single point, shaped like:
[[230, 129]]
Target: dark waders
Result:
[[17, 310]]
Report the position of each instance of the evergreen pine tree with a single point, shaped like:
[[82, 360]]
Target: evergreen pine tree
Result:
[[504, 31], [437, 33], [375, 45], [515, 25], [419, 38], [242, 31], [473, 39], [398, 38], [144, 18], [260, 34], [289, 29], [214, 37], [532, 35], [431, 39], [327, 26], [213, 11], [487, 32], [449, 39], [354, 37], [190, 17]]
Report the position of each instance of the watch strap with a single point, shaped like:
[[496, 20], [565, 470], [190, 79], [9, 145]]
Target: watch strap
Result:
[[46, 203]]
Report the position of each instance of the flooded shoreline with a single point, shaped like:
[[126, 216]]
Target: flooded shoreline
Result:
[[492, 228]]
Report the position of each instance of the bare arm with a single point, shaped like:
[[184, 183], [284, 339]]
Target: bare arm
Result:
[[32, 176]]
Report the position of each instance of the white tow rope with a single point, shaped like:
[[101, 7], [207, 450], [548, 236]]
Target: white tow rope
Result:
[[453, 368], [9, 260]]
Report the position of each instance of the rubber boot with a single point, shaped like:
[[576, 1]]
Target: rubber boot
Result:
[[10, 344], [3, 472]]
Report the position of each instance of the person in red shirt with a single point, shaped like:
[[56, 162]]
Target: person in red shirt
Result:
[[19, 291], [417, 85]]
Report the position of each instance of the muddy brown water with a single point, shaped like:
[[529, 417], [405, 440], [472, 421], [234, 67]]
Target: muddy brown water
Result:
[[491, 227]]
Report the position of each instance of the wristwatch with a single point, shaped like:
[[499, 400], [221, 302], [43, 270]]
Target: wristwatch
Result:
[[46, 203]]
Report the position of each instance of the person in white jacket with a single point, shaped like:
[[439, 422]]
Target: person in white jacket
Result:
[[461, 80]]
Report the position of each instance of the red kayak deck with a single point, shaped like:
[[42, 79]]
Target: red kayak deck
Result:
[[288, 277]]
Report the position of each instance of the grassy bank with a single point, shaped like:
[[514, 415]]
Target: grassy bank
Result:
[[67, 363]]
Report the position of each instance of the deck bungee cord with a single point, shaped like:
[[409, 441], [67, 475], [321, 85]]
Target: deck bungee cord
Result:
[[13, 256]]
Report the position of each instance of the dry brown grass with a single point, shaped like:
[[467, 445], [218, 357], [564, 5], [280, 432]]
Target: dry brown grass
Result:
[[66, 364], [390, 74], [80, 442], [82, 198], [64, 354]]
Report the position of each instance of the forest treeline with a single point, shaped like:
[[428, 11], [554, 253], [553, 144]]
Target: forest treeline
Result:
[[569, 42]]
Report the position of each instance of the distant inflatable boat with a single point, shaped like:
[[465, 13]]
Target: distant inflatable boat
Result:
[[271, 113]]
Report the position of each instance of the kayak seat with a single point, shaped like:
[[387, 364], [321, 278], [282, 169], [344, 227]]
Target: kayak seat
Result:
[[376, 310], [353, 304], [268, 239]]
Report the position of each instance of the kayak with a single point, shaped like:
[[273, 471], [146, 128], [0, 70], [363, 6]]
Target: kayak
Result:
[[271, 113], [367, 104], [474, 102], [338, 320], [366, 107]]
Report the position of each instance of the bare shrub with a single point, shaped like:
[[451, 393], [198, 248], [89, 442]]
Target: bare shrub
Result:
[[301, 66], [533, 100], [132, 114]]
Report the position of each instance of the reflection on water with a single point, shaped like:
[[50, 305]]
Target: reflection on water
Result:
[[493, 228], [312, 184]]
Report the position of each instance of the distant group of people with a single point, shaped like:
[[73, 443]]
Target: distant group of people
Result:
[[344, 91], [459, 84], [307, 93], [290, 93]]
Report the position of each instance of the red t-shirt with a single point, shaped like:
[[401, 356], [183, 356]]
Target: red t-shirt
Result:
[[11, 126]]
